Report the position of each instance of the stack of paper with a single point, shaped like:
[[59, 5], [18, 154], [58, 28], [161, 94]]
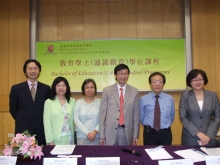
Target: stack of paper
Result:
[[191, 154], [63, 149], [158, 153], [211, 151]]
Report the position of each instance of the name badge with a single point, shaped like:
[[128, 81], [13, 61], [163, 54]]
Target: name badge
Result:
[[103, 161], [8, 160], [212, 160], [176, 162], [60, 161]]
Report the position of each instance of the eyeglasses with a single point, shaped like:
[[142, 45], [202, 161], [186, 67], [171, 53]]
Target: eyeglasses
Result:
[[197, 80], [157, 81], [60, 86], [122, 74], [32, 68], [87, 88]]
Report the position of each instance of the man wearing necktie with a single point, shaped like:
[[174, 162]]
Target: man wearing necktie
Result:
[[26, 103], [119, 111], [157, 112]]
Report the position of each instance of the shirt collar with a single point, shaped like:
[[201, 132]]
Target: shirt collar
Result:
[[153, 94], [124, 87], [29, 83]]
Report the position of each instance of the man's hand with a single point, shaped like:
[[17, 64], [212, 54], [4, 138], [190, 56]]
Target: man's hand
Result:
[[102, 141], [135, 142]]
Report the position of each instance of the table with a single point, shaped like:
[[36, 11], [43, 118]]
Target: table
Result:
[[111, 151]]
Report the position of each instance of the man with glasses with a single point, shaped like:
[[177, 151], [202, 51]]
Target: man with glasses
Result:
[[119, 111], [157, 112]]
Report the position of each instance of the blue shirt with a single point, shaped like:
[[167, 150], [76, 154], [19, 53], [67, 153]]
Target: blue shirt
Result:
[[167, 110], [86, 117]]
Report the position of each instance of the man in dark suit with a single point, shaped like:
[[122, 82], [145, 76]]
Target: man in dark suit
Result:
[[119, 122], [27, 102]]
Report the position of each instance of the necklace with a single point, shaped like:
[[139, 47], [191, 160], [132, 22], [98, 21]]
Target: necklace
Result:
[[198, 94], [88, 106]]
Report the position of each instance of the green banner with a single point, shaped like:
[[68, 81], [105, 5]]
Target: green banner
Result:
[[79, 60]]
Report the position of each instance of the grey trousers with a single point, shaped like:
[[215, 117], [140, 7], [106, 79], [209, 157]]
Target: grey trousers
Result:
[[120, 139]]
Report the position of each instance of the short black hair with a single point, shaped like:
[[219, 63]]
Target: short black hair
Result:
[[157, 73], [27, 62], [120, 67], [86, 81], [193, 74], [53, 88]]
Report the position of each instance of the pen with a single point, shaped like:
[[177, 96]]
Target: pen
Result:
[[199, 152]]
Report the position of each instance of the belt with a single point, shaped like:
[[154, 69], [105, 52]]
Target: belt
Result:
[[121, 125], [150, 128]]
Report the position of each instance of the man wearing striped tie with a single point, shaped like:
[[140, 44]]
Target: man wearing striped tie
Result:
[[157, 112], [27, 102]]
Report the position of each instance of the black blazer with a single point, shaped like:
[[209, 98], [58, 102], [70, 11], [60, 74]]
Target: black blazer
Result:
[[28, 114]]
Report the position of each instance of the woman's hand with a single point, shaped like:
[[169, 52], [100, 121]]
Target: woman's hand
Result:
[[91, 135], [203, 138], [51, 143]]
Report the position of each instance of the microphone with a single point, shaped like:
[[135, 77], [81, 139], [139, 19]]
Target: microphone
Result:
[[138, 153]]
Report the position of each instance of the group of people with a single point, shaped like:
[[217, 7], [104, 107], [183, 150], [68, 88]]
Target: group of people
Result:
[[53, 115]]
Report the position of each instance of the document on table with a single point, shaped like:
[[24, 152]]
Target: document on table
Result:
[[62, 149], [212, 160], [190, 154], [211, 151], [158, 154]]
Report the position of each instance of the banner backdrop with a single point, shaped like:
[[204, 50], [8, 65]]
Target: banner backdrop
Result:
[[79, 60]]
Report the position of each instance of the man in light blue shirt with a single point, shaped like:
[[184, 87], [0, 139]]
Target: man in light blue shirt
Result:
[[152, 135]]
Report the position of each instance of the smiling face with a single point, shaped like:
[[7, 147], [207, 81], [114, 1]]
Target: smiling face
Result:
[[197, 83], [157, 84], [61, 88], [122, 77], [89, 89], [32, 71]]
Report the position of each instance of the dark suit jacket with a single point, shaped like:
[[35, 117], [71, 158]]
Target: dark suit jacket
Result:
[[28, 114], [194, 120]]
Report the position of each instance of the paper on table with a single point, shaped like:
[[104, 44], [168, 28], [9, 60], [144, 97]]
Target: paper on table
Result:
[[103, 161], [211, 151], [190, 154], [212, 160], [158, 154], [62, 149], [69, 156]]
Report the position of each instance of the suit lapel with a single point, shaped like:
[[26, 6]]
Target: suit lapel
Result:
[[27, 91], [206, 100], [193, 101], [58, 105], [115, 93], [127, 93], [39, 91]]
